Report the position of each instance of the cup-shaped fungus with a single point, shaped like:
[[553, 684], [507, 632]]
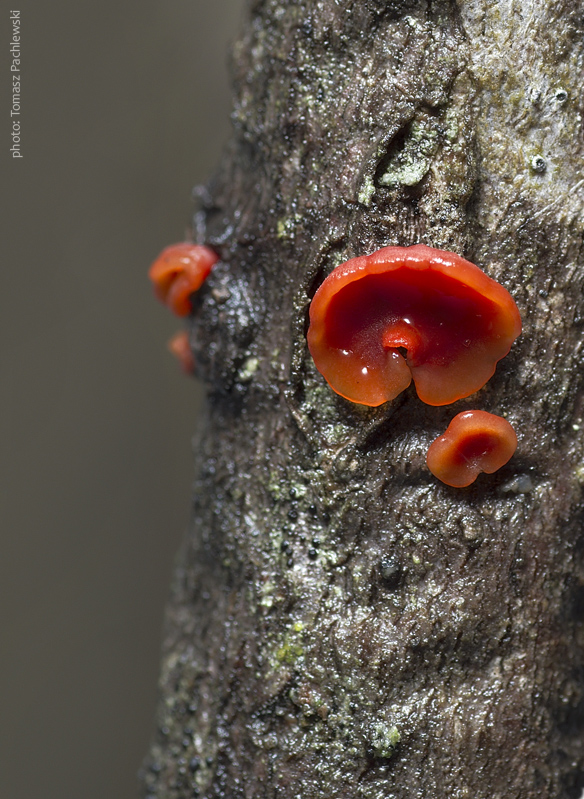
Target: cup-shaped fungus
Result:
[[474, 442], [179, 271], [181, 349], [452, 322]]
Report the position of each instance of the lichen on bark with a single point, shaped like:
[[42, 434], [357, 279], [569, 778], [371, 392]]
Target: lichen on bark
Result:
[[341, 624]]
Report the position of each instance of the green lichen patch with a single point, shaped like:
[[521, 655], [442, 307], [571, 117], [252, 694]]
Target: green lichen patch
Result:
[[248, 370], [412, 157], [384, 740], [291, 650]]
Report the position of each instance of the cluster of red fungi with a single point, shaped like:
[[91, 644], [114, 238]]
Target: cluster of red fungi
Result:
[[415, 313], [179, 271], [381, 321]]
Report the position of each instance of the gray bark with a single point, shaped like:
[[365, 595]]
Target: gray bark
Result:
[[342, 624]]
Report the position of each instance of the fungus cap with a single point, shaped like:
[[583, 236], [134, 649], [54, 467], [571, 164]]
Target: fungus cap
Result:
[[453, 321], [474, 442], [179, 271]]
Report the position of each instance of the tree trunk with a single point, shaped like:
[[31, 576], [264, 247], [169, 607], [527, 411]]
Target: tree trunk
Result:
[[342, 624]]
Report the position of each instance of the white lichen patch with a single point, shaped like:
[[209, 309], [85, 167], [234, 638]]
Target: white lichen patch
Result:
[[411, 163], [521, 484], [367, 191], [248, 370]]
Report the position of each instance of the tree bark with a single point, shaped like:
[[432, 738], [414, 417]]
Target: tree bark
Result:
[[342, 624]]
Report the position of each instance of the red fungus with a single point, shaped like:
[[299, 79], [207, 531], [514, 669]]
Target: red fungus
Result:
[[180, 347], [474, 442], [453, 321], [179, 271]]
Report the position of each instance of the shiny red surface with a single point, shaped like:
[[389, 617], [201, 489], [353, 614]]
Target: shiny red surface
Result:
[[474, 442], [404, 313], [178, 272]]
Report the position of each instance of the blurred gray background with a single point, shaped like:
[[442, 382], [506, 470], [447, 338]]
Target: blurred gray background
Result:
[[125, 106]]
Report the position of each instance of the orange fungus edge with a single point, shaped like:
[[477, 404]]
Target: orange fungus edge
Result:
[[180, 347], [178, 272], [474, 442], [435, 385]]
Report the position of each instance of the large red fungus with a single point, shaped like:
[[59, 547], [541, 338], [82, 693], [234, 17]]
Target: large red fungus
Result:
[[474, 442], [179, 271], [453, 322]]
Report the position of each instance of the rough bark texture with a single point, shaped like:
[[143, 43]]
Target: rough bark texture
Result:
[[342, 624]]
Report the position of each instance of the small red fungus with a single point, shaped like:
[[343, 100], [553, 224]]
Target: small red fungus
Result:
[[453, 321], [179, 271], [474, 442], [180, 347]]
